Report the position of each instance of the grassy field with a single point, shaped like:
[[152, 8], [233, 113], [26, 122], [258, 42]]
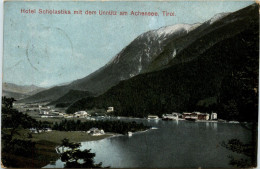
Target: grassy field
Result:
[[74, 136]]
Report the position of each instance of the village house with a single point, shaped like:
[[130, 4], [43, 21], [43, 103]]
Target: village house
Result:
[[199, 116], [203, 116], [110, 109], [213, 116], [194, 115], [186, 115], [44, 112], [95, 132], [61, 114], [35, 131], [81, 114]]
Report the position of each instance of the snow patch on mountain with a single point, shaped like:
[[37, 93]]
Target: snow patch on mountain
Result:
[[172, 29], [140, 65], [168, 30], [217, 17], [158, 36], [174, 53], [194, 26]]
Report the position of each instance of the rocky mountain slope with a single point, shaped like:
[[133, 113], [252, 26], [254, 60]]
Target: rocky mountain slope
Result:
[[131, 61]]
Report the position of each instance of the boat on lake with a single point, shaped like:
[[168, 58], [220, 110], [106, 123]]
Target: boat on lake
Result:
[[130, 133], [152, 117], [173, 116]]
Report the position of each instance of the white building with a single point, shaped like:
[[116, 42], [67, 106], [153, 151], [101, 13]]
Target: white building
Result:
[[45, 112], [34, 130], [110, 109], [95, 132], [81, 114], [213, 116]]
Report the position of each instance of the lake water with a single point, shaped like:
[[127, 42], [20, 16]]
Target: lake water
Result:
[[174, 144]]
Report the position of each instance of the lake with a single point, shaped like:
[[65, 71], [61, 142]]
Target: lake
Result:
[[174, 144]]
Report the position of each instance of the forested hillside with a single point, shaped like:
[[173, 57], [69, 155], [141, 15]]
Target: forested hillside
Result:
[[222, 78]]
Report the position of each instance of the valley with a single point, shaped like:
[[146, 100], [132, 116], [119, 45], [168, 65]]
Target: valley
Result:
[[168, 85]]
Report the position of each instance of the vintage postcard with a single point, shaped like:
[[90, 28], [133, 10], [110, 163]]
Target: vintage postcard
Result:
[[130, 84]]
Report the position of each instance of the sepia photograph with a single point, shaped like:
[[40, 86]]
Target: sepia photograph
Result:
[[130, 84]]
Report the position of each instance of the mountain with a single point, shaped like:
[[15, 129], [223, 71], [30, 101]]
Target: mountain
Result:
[[19, 92], [26, 89], [70, 97], [131, 61], [225, 25], [178, 44], [217, 71], [14, 95]]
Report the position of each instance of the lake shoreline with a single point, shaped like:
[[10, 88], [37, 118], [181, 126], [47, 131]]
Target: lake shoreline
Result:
[[108, 135], [170, 138], [47, 143], [90, 138]]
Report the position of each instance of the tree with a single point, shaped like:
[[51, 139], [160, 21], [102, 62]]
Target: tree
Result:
[[248, 150], [76, 158], [13, 122]]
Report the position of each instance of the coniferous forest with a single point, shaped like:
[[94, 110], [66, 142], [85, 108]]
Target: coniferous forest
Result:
[[223, 79]]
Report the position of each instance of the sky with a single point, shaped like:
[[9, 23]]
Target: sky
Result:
[[48, 49]]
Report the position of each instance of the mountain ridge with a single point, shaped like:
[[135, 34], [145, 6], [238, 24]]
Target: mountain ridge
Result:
[[144, 48], [18, 91]]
